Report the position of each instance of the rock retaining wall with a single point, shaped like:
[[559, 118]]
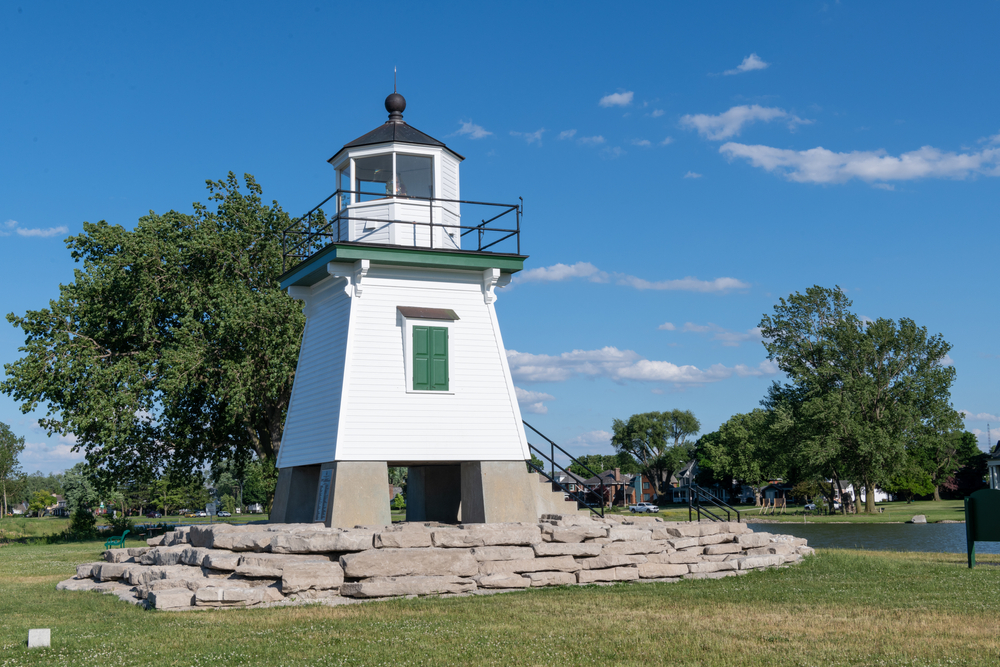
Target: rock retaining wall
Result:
[[222, 565]]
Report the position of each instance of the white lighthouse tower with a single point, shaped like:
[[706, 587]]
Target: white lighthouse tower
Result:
[[402, 362]]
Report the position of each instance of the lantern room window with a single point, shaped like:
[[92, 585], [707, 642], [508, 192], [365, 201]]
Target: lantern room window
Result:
[[414, 176], [379, 176], [374, 177]]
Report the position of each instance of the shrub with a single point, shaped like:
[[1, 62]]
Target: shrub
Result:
[[120, 523], [82, 525], [398, 502]]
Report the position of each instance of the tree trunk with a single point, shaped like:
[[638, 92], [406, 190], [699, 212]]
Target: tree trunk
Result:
[[857, 497], [869, 498], [756, 497], [837, 490], [937, 494]]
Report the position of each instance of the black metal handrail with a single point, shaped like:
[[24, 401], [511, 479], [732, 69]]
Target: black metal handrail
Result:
[[695, 494], [581, 498], [313, 231]]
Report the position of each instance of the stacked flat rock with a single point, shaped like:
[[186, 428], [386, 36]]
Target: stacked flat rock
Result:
[[222, 565]]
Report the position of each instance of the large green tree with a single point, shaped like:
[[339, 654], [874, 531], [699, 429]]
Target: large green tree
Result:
[[746, 449], [173, 344], [78, 490], [861, 390], [11, 447], [658, 441]]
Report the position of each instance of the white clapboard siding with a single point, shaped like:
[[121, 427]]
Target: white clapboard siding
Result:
[[478, 419], [310, 433], [449, 190]]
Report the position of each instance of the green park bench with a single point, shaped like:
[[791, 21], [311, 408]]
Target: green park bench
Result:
[[118, 542], [982, 520]]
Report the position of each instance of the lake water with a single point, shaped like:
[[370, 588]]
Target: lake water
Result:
[[940, 537]]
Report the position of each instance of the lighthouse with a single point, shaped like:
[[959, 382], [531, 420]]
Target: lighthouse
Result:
[[402, 362]]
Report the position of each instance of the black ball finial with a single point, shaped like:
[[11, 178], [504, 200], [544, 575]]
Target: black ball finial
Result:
[[395, 104]]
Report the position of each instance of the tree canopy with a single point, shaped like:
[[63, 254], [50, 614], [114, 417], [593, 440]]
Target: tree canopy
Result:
[[173, 345], [11, 447], [658, 442], [861, 391]]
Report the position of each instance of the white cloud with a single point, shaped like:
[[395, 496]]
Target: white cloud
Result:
[[49, 457], [44, 233], [472, 130], [980, 416], [533, 401], [559, 272], [530, 137], [749, 64], [819, 165], [591, 141], [622, 99], [667, 141], [947, 360], [621, 365], [592, 442], [613, 152], [883, 186], [727, 337], [730, 123], [641, 142], [11, 226], [656, 113], [692, 174], [586, 270], [984, 436], [567, 134], [667, 326]]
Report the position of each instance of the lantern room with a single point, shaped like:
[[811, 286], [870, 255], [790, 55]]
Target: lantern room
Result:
[[398, 186]]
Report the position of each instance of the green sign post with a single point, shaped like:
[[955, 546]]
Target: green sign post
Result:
[[982, 520]]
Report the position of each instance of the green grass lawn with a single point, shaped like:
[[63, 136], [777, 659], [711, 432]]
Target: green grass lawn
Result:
[[951, 510], [19, 528], [840, 608]]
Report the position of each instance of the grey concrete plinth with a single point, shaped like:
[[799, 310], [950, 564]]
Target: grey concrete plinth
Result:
[[359, 494], [433, 493], [497, 492], [39, 638], [295, 495]]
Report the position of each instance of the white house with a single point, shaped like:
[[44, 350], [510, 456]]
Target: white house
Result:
[[402, 361]]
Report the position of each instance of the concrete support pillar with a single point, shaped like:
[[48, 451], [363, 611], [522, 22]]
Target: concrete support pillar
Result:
[[280, 504], [358, 494], [497, 492], [295, 495], [433, 493]]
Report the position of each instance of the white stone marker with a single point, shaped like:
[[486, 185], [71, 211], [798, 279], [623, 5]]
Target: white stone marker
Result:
[[40, 638]]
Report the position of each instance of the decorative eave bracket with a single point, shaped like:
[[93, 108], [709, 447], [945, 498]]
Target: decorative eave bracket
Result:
[[492, 278], [355, 275]]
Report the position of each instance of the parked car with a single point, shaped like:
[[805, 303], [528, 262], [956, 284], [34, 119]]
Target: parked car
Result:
[[201, 513], [153, 515], [809, 506], [223, 513], [190, 515], [643, 507]]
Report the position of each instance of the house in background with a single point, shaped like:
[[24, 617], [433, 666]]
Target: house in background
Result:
[[59, 509], [619, 489]]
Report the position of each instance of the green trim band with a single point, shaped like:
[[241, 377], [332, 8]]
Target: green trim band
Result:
[[313, 269]]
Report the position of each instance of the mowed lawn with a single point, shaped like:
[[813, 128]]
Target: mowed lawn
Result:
[[895, 512], [839, 608]]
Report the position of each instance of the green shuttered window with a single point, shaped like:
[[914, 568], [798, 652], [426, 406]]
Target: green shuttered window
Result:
[[430, 358]]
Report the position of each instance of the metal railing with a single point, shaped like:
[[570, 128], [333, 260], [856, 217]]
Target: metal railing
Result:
[[313, 231], [587, 497], [695, 496]]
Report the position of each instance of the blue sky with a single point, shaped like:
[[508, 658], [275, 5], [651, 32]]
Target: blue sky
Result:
[[682, 167]]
